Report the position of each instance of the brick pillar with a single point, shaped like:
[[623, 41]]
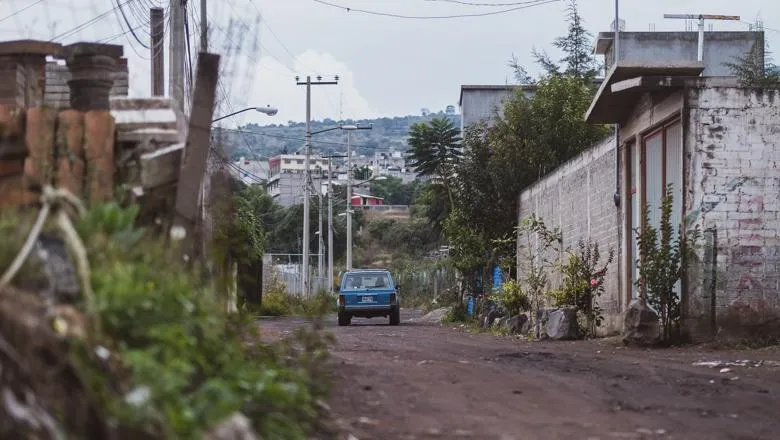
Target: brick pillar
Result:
[[92, 69], [23, 71]]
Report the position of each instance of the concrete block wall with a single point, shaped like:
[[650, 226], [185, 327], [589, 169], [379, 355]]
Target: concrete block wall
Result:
[[57, 91], [578, 198], [732, 138]]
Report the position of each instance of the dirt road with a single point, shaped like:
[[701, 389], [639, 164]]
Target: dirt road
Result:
[[423, 381]]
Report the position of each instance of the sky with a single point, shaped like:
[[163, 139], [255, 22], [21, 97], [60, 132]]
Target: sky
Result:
[[387, 66]]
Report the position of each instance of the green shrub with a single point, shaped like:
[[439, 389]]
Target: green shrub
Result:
[[171, 334], [457, 314], [513, 298], [583, 283]]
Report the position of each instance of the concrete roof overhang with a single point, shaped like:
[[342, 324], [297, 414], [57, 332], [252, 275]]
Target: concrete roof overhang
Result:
[[627, 80]]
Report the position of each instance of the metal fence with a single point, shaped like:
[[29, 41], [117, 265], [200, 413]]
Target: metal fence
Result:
[[288, 270]]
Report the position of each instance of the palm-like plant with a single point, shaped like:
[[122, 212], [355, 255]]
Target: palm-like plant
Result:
[[434, 149]]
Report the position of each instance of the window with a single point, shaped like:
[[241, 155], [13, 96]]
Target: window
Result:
[[653, 163], [367, 281], [287, 161], [299, 161]]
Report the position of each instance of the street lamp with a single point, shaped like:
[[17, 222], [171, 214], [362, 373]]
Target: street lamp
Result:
[[268, 110]]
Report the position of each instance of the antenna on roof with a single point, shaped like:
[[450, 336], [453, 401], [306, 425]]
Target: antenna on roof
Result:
[[701, 18]]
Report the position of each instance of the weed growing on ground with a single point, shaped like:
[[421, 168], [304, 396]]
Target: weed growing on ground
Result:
[[457, 314]]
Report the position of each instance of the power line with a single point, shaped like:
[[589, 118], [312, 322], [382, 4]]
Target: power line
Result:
[[89, 22], [459, 2], [20, 11], [436, 17], [127, 22]]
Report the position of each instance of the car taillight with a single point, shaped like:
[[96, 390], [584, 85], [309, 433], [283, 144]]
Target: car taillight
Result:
[[341, 300]]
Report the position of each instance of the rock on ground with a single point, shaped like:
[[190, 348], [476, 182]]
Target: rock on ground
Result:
[[641, 325], [562, 324], [434, 316], [237, 427], [518, 325]]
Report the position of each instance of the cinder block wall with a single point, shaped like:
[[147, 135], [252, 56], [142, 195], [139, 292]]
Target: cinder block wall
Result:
[[578, 198], [732, 138], [57, 92]]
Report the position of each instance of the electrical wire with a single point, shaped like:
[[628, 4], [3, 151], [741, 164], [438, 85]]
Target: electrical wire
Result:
[[460, 2], [131, 30], [88, 23], [20, 11], [435, 17]]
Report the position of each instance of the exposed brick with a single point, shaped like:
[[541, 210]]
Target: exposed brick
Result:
[[70, 151], [39, 139], [99, 131]]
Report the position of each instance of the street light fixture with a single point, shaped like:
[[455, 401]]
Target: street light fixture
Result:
[[268, 110]]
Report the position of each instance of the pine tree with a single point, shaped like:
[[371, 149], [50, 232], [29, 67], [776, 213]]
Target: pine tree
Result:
[[578, 60], [756, 69]]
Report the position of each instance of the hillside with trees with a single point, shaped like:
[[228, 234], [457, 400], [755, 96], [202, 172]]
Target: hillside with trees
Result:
[[388, 134]]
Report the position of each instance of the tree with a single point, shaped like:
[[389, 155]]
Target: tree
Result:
[[756, 69], [362, 173], [435, 150], [521, 74], [578, 60], [394, 191]]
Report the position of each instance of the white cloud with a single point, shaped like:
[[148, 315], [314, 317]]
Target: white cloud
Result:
[[268, 81]]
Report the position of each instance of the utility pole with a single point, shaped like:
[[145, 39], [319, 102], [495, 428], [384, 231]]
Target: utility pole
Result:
[[349, 129], [701, 18], [308, 83], [330, 220], [157, 20], [178, 10], [320, 242], [330, 225], [204, 26]]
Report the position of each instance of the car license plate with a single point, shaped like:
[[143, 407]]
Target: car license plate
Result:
[[367, 299]]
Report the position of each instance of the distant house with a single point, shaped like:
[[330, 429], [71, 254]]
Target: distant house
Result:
[[250, 172], [366, 200], [479, 103], [286, 176]]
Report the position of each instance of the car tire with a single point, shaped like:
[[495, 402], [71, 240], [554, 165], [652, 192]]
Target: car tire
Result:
[[395, 316], [344, 319]]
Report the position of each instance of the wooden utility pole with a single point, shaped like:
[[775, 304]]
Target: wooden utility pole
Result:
[[157, 19], [196, 152], [178, 9], [204, 26]]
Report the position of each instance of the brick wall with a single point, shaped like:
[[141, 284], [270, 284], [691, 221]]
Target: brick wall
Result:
[[732, 139], [578, 198]]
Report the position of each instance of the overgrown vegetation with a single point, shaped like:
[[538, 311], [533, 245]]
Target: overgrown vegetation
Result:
[[529, 138], [513, 299], [665, 252], [167, 360], [542, 247], [278, 302], [583, 283], [756, 69]]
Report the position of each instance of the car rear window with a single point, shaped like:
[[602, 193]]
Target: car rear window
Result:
[[366, 281]]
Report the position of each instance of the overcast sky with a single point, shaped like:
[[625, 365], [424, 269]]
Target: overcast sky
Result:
[[388, 66]]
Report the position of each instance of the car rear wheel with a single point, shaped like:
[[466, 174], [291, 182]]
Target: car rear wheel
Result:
[[344, 319], [395, 317]]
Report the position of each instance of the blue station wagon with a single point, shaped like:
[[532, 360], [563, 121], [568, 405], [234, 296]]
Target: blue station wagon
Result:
[[368, 293]]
